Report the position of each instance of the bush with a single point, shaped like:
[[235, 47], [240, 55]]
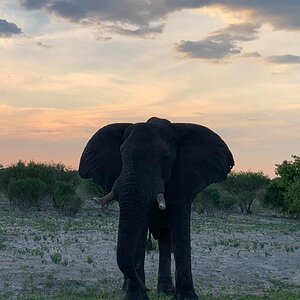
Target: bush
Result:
[[91, 188], [65, 174], [26, 192], [292, 198], [66, 200], [286, 193], [69, 205], [212, 200], [274, 196], [22, 170], [209, 200], [26, 183]]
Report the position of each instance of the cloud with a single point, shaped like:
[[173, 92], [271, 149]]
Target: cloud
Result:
[[221, 43], [42, 45], [283, 59], [254, 54], [280, 14], [8, 29], [143, 13], [128, 17]]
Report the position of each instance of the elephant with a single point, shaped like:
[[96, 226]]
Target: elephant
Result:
[[154, 169]]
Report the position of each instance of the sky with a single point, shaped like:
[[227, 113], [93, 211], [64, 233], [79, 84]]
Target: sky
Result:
[[67, 68]]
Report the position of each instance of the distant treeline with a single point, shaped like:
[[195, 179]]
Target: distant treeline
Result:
[[243, 190], [53, 185]]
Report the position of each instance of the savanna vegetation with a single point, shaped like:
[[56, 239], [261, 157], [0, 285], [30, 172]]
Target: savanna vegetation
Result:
[[31, 184], [55, 243], [46, 185]]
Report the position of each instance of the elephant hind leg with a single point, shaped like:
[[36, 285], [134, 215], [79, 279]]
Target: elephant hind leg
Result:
[[180, 232], [165, 284]]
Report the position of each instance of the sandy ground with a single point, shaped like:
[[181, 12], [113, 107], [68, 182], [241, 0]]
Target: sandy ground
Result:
[[43, 251]]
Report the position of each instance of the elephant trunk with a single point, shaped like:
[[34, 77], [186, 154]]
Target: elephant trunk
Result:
[[132, 220]]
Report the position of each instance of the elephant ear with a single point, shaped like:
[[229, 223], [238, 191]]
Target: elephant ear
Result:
[[101, 158], [202, 158]]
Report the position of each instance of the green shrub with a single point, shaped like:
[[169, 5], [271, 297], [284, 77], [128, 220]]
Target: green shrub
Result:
[[3, 177], [212, 199], [65, 174], [22, 170], [63, 188], [2, 244], [26, 192], [66, 200], [26, 183], [56, 257], [91, 188], [292, 198], [69, 205], [226, 202], [289, 183], [274, 196]]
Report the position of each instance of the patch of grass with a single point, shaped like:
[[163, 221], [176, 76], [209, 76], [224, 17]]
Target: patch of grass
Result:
[[89, 294], [90, 260], [2, 244], [36, 234], [225, 243], [56, 257], [243, 224]]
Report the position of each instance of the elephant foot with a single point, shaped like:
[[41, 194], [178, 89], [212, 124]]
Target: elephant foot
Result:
[[186, 295], [136, 294], [166, 287]]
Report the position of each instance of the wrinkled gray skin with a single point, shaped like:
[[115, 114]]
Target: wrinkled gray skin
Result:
[[139, 161]]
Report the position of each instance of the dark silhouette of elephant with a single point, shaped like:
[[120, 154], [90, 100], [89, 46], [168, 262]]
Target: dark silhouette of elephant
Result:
[[154, 170]]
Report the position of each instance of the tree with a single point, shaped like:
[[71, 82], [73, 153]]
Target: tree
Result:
[[289, 171], [274, 196], [289, 179], [212, 199], [292, 198], [244, 187]]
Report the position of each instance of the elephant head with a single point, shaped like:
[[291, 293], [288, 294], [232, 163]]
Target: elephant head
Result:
[[140, 163]]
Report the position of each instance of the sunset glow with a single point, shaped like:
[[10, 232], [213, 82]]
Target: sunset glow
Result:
[[234, 68]]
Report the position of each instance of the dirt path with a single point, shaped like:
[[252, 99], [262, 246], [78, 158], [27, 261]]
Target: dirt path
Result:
[[45, 252]]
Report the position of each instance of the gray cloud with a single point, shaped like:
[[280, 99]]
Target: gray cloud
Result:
[[142, 13], [42, 45], [280, 14], [8, 29], [129, 17], [283, 59], [221, 43], [254, 54]]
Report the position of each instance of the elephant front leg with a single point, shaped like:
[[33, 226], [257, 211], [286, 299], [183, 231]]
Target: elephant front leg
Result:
[[180, 233], [132, 290], [165, 284]]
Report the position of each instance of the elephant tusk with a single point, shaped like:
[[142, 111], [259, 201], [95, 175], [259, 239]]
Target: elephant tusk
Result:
[[104, 201], [161, 201]]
